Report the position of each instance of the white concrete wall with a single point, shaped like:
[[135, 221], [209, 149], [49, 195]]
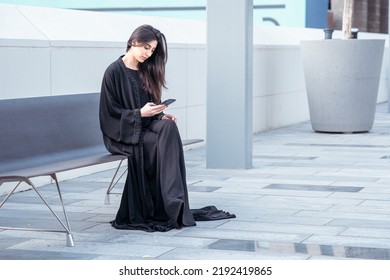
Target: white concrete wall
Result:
[[46, 51], [53, 52]]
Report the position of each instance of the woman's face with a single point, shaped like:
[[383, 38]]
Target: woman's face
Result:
[[142, 51]]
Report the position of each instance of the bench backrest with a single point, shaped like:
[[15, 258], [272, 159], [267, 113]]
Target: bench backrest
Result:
[[40, 126]]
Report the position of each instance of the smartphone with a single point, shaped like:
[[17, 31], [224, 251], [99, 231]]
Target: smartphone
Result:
[[168, 101]]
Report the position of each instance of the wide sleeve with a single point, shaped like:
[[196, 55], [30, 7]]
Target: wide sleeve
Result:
[[120, 120]]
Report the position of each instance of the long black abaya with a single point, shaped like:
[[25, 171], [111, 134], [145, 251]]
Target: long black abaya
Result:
[[155, 195], [163, 203]]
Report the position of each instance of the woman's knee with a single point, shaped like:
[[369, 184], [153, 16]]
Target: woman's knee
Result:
[[169, 123], [164, 125]]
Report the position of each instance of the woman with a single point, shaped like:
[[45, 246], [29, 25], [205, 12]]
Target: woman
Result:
[[155, 196]]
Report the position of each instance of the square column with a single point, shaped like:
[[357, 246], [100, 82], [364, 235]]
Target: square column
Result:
[[229, 83]]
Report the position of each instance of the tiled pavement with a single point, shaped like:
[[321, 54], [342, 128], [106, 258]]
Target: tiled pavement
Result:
[[308, 196]]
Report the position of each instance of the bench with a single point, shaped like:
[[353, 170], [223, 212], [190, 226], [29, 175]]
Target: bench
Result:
[[43, 136]]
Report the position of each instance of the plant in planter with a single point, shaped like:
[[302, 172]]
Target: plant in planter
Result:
[[347, 19], [342, 79]]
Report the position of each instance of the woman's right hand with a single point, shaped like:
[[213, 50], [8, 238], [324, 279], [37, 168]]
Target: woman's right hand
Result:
[[150, 109]]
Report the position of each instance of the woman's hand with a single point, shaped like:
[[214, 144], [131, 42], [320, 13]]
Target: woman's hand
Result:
[[169, 117], [150, 109]]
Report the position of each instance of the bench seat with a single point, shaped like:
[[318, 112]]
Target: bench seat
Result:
[[52, 164]]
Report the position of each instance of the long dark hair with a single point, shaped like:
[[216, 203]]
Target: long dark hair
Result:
[[152, 70]]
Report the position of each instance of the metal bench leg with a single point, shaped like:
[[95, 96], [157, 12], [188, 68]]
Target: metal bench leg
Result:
[[113, 184], [10, 193], [69, 237]]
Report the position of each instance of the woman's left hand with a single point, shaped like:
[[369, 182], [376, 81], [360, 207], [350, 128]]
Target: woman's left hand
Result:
[[169, 117]]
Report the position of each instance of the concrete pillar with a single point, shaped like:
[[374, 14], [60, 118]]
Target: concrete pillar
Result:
[[229, 83]]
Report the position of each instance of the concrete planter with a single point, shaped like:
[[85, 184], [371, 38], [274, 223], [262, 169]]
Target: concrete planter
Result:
[[342, 81]]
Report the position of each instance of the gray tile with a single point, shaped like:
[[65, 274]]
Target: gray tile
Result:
[[299, 248], [202, 188], [324, 188], [338, 145], [163, 240], [6, 242], [326, 250], [242, 234], [379, 224], [215, 254], [349, 241], [282, 228], [43, 255], [131, 250], [283, 157], [232, 244], [368, 253], [346, 215]]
